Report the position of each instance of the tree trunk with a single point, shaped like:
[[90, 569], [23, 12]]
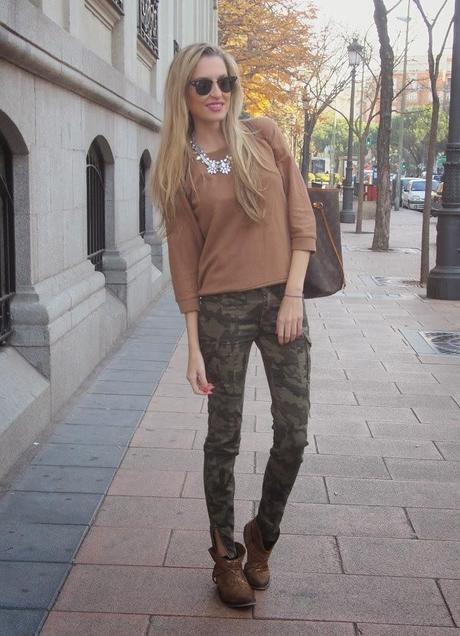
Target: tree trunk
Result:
[[359, 212], [306, 153], [425, 258], [383, 211]]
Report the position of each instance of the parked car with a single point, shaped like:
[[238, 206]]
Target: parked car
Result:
[[413, 195]]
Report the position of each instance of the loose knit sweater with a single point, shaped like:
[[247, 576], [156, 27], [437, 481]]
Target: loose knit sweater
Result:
[[213, 245]]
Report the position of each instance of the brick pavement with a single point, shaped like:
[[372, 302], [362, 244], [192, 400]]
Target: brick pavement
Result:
[[371, 535]]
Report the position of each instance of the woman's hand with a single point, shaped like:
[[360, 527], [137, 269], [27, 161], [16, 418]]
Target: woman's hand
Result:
[[196, 374], [289, 320]]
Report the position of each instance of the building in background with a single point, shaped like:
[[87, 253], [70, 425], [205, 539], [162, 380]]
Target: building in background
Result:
[[418, 91], [81, 92]]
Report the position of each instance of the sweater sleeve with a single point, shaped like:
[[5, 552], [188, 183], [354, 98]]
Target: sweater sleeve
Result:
[[302, 223], [185, 242]]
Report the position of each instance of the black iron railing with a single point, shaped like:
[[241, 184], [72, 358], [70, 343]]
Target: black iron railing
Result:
[[7, 254], [142, 172], [95, 205], [118, 4], [147, 24]]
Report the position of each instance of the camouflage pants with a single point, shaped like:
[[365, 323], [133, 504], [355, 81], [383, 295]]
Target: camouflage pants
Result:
[[228, 325]]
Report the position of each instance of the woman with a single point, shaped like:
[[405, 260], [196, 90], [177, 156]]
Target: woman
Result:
[[240, 231]]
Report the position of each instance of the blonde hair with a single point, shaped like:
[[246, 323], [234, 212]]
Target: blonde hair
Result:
[[174, 155]]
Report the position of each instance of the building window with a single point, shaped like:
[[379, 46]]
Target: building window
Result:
[[7, 257], [147, 24], [142, 172], [95, 205]]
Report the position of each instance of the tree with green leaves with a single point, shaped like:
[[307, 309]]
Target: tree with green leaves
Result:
[[417, 123]]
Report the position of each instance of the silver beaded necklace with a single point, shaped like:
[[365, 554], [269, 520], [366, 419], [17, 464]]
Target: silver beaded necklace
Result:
[[224, 166]]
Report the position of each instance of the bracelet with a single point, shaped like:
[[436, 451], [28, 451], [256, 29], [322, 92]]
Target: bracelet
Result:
[[292, 296]]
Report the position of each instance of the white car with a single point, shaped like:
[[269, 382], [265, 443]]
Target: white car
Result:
[[413, 194]]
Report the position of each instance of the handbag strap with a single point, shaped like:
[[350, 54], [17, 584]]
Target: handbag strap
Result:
[[320, 206]]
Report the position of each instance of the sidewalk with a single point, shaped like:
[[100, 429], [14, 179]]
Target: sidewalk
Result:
[[113, 502]]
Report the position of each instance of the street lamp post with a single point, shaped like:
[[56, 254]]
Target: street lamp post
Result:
[[347, 215], [444, 279]]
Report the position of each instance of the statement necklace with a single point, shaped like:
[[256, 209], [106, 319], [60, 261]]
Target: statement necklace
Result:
[[224, 166]]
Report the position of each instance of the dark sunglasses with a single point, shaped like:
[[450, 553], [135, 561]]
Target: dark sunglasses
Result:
[[203, 85]]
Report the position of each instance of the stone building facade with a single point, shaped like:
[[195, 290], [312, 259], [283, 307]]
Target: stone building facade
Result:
[[81, 86]]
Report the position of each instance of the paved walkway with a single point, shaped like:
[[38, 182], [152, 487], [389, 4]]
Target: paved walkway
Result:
[[113, 502]]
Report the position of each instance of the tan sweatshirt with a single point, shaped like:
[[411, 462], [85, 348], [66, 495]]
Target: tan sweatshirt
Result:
[[214, 247]]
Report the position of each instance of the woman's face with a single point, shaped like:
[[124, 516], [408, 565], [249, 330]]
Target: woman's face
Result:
[[214, 106]]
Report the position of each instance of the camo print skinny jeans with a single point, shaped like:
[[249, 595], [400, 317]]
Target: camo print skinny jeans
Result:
[[228, 325]]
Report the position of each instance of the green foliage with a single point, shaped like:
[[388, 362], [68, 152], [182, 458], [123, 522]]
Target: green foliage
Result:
[[416, 137], [323, 136]]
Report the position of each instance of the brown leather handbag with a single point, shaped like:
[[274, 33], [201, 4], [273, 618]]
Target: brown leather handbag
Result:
[[325, 274]]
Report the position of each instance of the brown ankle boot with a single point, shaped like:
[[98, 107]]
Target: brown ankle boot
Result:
[[256, 569], [232, 585]]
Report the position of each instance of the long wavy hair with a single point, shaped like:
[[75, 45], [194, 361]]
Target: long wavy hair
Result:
[[174, 156]]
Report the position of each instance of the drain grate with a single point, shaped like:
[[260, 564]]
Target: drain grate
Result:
[[447, 342], [394, 281]]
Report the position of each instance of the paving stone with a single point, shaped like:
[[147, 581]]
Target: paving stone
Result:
[[39, 542], [293, 553], [129, 375], [112, 387], [153, 420], [139, 351], [427, 415], [165, 458], [163, 512], [20, 622], [340, 597], [48, 507], [451, 591], [102, 417], [354, 520], [94, 624], [192, 404], [194, 626], [375, 413], [423, 469], [367, 629], [73, 479], [79, 455], [147, 483], [341, 466], [399, 430], [93, 435], [381, 492], [410, 400], [29, 585], [400, 557], [435, 524], [449, 450], [249, 487], [381, 447], [135, 364], [347, 427], [146, 590], [124, 546], [115, 402], [163, 438]]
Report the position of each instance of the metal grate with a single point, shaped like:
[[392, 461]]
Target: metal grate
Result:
[[446, 342], [147, 24], [95, 205], [142, 171], [118, 4], [394, 281], [7, 252]]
